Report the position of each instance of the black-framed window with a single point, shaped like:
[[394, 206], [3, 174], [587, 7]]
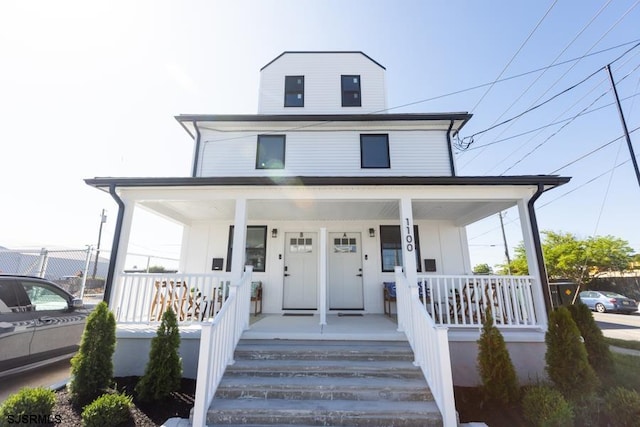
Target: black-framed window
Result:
[[256, 247], [351, 94], [270, 152], [391, 247], [294, 91], [374, 151]]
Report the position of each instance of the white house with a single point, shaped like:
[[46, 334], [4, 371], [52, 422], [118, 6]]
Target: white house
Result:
[[326, 192]]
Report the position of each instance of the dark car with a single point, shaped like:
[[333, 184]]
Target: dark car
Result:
[[602, 301], [40, 323]]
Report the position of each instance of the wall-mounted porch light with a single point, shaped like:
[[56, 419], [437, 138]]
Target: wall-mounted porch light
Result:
[[372, 232], [274, 233]]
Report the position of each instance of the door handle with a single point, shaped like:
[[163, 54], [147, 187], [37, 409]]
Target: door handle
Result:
[[359, 275], [286, 274], [47, 320]]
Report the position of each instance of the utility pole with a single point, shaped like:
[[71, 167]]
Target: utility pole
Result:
[[506, 246], [624, 126], [103, 219]]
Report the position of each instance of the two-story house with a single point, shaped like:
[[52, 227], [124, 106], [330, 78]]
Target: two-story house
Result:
[[324, 193]]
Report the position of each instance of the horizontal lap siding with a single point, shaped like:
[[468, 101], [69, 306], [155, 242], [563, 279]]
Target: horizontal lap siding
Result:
[[322, 73], [335, 153]]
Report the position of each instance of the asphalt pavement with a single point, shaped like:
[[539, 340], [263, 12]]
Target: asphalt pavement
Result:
[[54, 375]]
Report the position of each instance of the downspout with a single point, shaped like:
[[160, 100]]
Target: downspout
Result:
[[544, 282], [114, 245], [196, 157], [450, 148]]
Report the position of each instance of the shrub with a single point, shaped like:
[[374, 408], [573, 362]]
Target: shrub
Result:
[[545, 406], [494, 363], [589, 411], [107, 410], [598, 352], [163, 372], [28, 406], [623, 406], [92, 366], [566, 357]]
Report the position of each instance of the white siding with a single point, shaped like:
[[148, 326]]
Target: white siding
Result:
[[322, 91], [333, 153]]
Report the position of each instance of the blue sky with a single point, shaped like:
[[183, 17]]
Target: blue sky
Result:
[[90, 89]]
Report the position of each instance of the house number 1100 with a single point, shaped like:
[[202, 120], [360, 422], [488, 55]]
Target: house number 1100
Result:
[[409, 237]]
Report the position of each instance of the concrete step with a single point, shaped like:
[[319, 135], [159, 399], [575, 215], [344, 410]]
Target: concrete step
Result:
[[323, 412]]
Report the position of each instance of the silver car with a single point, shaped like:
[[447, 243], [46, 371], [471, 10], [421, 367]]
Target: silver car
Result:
[[602, 301], [40, 323]]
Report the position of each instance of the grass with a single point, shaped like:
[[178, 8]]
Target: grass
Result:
[[626, 372], [633, 345]]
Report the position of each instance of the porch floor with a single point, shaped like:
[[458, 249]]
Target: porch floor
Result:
[[368, 327]]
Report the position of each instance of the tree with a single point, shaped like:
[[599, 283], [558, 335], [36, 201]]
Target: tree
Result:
[[157, 269], [568, 257], [482, 269]]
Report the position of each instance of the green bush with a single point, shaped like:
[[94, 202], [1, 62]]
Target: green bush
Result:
[[29, 406], [598, 352], [92, 366], [163, 372], [543, 406], [499, 381], [107, 410], [589, 411], [566, 357], [623, 406]]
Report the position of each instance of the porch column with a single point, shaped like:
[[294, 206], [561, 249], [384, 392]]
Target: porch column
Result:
[[323, 276], [408, 242], [121, 257], [239, 241], [532, 263]]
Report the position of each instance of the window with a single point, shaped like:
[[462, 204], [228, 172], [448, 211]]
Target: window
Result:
[[270, 152], [294, 91], [351, 91], [256, 248], [374, 151], [44, 297], [391, 247]]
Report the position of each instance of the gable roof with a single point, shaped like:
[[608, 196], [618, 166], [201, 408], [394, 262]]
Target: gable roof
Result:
[[322, 51]]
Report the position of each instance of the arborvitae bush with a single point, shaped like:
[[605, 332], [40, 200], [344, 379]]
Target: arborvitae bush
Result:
[[31, 406], [545, 406], [566, 357], [494, 363], [598, 352], [163, 372], [623, 407], [107, 410], [92, 366]]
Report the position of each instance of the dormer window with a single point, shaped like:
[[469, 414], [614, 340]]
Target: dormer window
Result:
[[374, 151], [270, 152], [294, 91], [351, 96]]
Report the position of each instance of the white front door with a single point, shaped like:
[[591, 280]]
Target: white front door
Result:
[[300, 272], [345, 272]]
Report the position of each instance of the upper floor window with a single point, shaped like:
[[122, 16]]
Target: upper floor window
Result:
[[270, 152], [374, 151], [351, 91], [294, 91]]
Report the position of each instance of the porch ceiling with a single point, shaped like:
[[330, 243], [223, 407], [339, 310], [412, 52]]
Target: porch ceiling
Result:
[[461, 212]]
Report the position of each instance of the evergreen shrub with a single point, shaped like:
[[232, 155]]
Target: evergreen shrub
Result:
[[107, 410], [29, 406], [544, 406], [163, 373], [598, 352]]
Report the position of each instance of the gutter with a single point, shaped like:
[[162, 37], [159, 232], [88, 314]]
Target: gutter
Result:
[[450, 148], [542, 270], [114, 245], [196, 156]]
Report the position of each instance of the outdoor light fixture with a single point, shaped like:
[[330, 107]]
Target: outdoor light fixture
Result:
[[372, 232], [274, 233]]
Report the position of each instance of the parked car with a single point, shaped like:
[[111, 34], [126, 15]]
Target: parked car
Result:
[[40, 323], [602, 301]]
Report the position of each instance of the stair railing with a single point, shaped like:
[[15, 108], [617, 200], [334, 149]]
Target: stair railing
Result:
[[430, 344], [218, 340]]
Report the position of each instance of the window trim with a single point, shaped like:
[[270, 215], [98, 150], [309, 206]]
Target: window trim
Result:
[[284, 150], [343, 91], [363, 136], [417, 246], [286, 92], [230, 248]]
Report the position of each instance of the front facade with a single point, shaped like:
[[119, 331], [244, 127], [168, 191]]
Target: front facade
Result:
[[324, 193]]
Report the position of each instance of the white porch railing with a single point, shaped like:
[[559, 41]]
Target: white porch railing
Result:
[[463, 300], [218, 340], [430, 344], [142, 298]]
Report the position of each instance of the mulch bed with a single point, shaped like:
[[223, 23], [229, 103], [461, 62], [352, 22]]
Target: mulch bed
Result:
[[147, 414], [471, 406]]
